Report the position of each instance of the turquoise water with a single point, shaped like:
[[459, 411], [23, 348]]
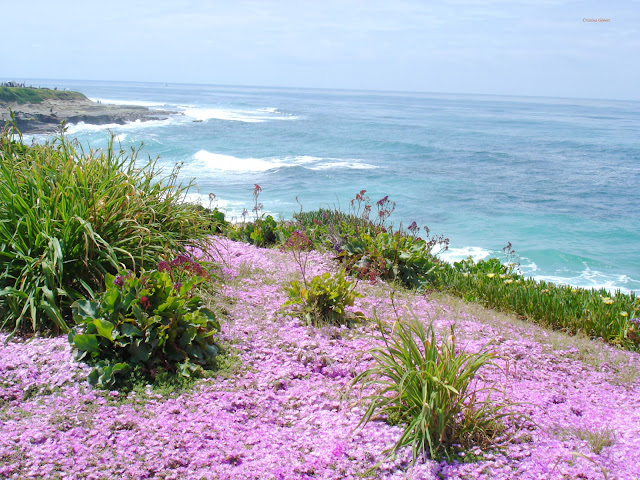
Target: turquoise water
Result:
[[558, 178]]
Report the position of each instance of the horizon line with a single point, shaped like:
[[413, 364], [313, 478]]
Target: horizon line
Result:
[[344, 89]]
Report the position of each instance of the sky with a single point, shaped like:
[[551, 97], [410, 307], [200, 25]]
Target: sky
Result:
[[515, 47]]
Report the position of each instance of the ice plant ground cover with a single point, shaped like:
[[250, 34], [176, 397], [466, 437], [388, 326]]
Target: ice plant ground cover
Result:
[[290, 412]]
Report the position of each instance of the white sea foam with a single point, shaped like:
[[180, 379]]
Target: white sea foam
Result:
[[593, 279], [204, 200], [354, 165], [137, 103], [232, 209], [235, 115], [586, 279], [229, 163], [74, 128], [303, 159], [456, 254]]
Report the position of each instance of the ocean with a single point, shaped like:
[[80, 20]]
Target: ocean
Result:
[[559, 178]]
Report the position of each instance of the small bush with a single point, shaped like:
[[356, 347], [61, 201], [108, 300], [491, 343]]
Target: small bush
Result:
[[394, 256], [429, 386], [154, 321], [324, 298], [260, 233], [68, 218]]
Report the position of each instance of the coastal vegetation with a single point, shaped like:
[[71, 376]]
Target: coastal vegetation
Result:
[[370, 248], [346, 364], [154, 321], [68, 218], [22, 95]]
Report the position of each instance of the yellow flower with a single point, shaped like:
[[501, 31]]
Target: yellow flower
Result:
[[508, 281], [607, 300], [574, 290], [502, 275], [624, 314], [491, 275], [465, 274]]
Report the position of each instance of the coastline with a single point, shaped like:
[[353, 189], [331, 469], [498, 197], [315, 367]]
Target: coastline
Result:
[[45, 117], [578, 232]]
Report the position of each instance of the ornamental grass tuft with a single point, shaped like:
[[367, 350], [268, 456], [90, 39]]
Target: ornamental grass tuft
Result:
[[429, 386], [69, 218]]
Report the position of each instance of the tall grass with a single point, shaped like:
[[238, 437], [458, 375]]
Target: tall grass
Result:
[[428, 385], [67, 218]]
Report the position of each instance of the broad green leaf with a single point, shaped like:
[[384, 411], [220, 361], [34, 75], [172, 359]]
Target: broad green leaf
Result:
[[84, 309], [187, 337], [104, 328], [130, 330], [87, 342], [139, 351]]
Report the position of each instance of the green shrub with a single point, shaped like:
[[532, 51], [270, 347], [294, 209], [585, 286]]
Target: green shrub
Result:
[[392, 256], [215, 218], [429, 386], [260, 233], [68, 218], [324, 298], [371, 248], [154, 321]]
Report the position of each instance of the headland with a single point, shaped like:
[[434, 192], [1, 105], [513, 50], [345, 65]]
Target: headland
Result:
[[41, 110]]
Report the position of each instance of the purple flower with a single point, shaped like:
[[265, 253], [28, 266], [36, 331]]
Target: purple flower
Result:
[[164, 267], [635, 321], [383, 200], [118, 281], [413, 227], [338, 450], [180, 260]]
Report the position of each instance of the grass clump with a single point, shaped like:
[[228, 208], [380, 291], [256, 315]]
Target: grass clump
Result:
[[69, 218], [428, 385], [597, 438]]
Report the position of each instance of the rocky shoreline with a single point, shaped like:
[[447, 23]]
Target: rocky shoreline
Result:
[[45, 117]]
